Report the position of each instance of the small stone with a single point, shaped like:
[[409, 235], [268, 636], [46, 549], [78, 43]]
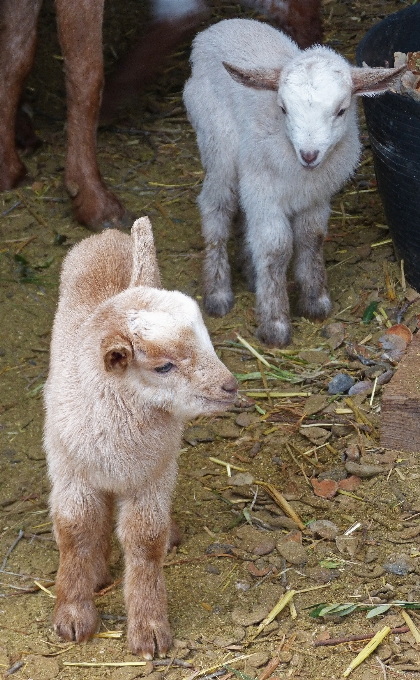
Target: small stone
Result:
[[220, 548], [314, 404], [244, 618], [293, 552], [347, 545], [371, 555], [324, 528], [314, 356], [325, 489], [254, 450], [316, 435], [246, 419], [195, 434], [212, 569], [352, 452], [349, 484], [227, 430], [363, 471], [401, 565], [264, 548], [337, 474], [340, 384], [224, 641], [241, 479], [322, 575], [361, 387], [258, 659]]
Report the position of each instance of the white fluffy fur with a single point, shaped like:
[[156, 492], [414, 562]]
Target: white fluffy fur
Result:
[[277, 133]]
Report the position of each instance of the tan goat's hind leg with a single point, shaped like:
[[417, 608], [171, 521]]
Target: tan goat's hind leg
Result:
[[83, 538], [144, 534]]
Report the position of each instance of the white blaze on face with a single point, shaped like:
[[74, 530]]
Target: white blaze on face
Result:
[[315, 95]]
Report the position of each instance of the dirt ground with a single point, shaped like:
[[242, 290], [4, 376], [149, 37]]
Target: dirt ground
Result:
[[240, 551]]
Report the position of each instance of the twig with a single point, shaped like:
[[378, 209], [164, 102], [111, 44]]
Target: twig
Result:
[[356, 638], [281, 502], [12, 547]]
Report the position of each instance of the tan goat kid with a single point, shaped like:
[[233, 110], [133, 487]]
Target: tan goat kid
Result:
[[130, 364]]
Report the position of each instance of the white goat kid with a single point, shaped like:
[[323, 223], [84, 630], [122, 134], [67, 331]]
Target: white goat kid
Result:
[[277, 133]]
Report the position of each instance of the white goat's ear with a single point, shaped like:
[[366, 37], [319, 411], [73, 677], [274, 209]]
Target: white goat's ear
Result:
[[117, 352], [258, 79], [370, 81]]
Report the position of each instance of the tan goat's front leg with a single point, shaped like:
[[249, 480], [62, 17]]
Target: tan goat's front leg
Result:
[[143, 529], [82, 526], [80, 34]]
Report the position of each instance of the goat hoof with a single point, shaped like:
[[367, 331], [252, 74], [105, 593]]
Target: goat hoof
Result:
[[275, 333], [316, 308], [219, 304], [75, 621], [146, 640]]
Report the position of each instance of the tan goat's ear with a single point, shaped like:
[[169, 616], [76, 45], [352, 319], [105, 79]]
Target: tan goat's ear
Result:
[[370, 81], [258, 79], [117, 352]]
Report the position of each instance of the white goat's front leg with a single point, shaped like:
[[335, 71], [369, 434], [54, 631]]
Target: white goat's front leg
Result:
[[144, 529], [271, 243], [218, 204], [309, 231]]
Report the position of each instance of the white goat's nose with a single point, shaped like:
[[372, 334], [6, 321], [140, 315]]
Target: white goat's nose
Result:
[[309, 157]]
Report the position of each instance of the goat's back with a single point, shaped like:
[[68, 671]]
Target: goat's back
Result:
[[243, 42]]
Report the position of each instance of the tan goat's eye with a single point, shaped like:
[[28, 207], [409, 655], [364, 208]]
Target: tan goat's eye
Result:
[[165, 368]]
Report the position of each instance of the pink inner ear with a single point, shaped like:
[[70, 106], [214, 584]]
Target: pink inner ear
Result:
[[372, 81], [258, 79]]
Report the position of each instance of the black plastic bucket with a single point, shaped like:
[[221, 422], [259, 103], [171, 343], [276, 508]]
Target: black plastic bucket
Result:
[[393, 122]]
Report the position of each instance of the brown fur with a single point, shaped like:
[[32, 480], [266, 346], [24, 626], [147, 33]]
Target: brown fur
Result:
[[113, 426]]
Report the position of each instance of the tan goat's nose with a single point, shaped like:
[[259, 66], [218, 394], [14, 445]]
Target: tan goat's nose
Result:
[[230, 385]]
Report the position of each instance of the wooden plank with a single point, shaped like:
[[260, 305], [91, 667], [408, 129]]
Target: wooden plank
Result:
[[400, 410]]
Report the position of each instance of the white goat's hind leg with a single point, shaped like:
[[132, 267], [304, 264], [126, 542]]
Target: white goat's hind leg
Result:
[[218, 204], [309, 230], [271, 244]]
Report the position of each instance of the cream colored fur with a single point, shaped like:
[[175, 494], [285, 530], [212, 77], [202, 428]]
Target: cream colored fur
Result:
[[130, 364]]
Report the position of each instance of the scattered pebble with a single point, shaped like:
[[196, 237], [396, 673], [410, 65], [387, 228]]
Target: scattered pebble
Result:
[[258, 659], [247, 419], [314, 404], [336, 473], [224, 548], [349, 484], [401, 565], [293, 552], [244, 618], [314, 356], [227, 430], [363, 471], [347, 545], [325, 489], [322, 574], [316, 435], [241, 479], [340, 384], [264, 548], [351, 452], [197, 433], [324, 528], [360, 387]]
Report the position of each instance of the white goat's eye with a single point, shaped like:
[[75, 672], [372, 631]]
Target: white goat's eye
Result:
[[341, 112], [283, 109], [165, 368]]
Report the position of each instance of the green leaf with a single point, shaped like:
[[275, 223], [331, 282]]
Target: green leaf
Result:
[[369, 312], [381, 609], [330, 564]]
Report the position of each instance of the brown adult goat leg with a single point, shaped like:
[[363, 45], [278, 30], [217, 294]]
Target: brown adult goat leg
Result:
[[80, 35], [18, 40]]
